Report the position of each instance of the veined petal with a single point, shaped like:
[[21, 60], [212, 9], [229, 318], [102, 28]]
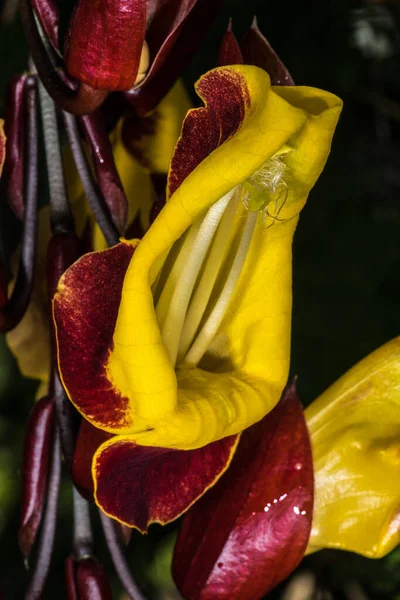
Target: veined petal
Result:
[[244, 124], [142, 485], [355, 431]]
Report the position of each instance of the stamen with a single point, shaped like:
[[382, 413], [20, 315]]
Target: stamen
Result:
[[212, 268], [208, 331], [172, 327]]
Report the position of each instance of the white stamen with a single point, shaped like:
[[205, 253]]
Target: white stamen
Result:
[[174, 320], [213, 322], [201, 297]]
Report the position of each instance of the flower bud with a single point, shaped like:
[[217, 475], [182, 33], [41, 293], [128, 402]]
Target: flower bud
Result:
[[15, 132], [35, 464], [86, 580], [249, 531], [105, 46]]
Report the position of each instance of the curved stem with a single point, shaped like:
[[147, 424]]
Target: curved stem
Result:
[[79, 101], [46, 541], [61, 215], [95, 200], [83, 537], [64, 420], [12, 313], [118, 558]]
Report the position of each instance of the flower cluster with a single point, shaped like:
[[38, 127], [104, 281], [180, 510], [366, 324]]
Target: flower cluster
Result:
[[154, 307]]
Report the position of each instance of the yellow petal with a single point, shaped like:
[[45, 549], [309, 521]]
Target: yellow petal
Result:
[[355, 435], [200, 405]]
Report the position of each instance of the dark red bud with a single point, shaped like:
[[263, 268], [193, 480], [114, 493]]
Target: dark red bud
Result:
[[14, 128], [257, 51], [86, 580], [3, 285], [251, 529], [62, 251], [107, 175], [104, 44], [229, 51], [37, 445], [48, 15]]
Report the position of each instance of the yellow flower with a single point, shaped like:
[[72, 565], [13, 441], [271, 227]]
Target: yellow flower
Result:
[[354, 429], [195, 319]]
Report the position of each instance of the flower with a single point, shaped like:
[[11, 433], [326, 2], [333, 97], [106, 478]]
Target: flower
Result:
[[134, 360], [252, 529], [181, 340]]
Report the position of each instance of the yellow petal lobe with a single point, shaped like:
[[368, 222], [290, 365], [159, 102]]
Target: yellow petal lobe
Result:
[[355, 435]]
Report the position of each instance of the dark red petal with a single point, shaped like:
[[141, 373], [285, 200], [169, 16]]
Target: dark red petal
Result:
[[89, 439], [92, 582], [107, 175], [251, 530], [38, 440], [257, 51], [229, 51], [105, 41], [85, 312], [175, 31], [48, 14], [86, 580], [226, 99], [140, 485], [70, 581], [14, 128]]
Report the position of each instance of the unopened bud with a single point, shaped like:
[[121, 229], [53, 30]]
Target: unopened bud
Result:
[[86, 580], [105, 47]]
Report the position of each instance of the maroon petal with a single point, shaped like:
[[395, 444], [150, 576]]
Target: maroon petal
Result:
[[257, 51], [89, 440], [141, 485], [85, 311], [226, 99], [105, 41], [229, 51], [15, 131], [176, 29], [38, 440], [86, 580], [251, 530]]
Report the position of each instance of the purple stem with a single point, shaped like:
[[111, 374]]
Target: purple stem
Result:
[[119, 559], [92, 192]]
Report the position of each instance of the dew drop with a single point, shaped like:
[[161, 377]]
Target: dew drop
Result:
[[303, 512], [296, 510], [266, 508], [298, 466], [275, 500]]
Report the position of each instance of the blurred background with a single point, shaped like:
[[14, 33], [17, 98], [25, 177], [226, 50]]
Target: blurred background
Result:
[[346, 265]]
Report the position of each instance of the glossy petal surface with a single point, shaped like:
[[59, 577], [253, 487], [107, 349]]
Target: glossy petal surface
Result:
[[142, 485], [104, 43], [251, 529], [355, 434]]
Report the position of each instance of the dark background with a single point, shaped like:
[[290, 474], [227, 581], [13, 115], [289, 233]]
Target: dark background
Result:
[[346, 254]]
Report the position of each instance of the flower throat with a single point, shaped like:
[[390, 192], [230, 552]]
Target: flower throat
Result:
[[189, 311]]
